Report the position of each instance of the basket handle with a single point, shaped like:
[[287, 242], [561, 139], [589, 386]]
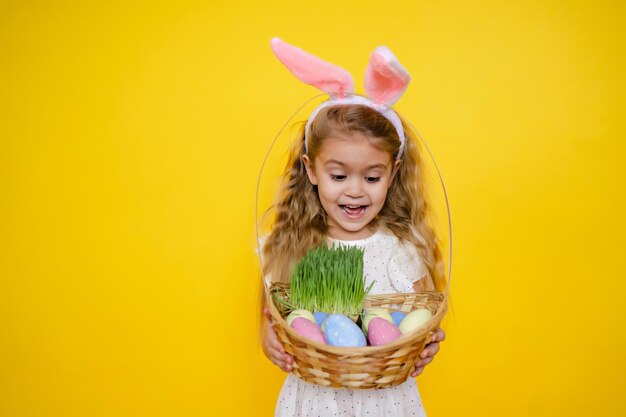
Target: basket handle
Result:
[[266, 157]]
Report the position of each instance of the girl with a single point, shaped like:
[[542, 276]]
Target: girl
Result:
[[353, 177]]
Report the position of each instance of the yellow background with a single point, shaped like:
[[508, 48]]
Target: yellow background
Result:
[[131, 136]]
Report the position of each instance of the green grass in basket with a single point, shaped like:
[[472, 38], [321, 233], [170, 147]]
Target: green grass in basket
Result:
[[330, 280]]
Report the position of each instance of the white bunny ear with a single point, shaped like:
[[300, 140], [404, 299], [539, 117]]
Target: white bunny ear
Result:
[[385, 78], [333, 80]]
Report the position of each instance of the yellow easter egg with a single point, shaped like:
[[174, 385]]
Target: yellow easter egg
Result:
[[415, 319]]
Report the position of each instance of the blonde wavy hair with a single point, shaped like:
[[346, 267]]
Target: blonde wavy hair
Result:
[[299, 222]]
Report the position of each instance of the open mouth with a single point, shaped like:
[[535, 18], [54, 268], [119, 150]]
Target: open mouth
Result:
[[353, 210]]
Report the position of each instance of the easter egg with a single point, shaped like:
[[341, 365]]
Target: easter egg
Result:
[[306, 328], [375, 312], [300, 313], [382, 332], [414, 320], [320, 316], [397, 317], [341, 331]]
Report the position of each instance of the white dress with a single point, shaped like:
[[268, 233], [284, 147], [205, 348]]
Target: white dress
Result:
[[393, 267]]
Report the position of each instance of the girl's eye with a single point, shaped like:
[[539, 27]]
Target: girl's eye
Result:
[[337, 177], [372, 179]]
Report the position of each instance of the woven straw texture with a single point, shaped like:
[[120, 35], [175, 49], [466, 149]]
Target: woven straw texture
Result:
[[360, 367]]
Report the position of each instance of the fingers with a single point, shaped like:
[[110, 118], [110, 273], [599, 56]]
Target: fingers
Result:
[[433, 347], [420, 364], [439, 335], [417, 372], [429, 352], [283, 360], [287, 363], [274, 350], [278, 357], [273, 341]]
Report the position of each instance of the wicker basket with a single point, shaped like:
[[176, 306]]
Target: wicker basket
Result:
[[360, 367]]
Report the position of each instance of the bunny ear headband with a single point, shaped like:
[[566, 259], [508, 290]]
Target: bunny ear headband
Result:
[[385, 82]]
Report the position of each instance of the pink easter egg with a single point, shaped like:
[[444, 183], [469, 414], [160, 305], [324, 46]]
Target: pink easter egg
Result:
[[381, 331], [308, 329]]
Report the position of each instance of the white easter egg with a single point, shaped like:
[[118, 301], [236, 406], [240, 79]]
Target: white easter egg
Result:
[[300, 313]]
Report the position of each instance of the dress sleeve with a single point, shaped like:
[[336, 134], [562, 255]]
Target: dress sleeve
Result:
[[405, 267]]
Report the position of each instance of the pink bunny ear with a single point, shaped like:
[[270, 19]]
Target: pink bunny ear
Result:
[[333, 80], [385, 79]]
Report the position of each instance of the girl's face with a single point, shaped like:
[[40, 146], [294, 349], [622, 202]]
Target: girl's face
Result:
[[352, 179]]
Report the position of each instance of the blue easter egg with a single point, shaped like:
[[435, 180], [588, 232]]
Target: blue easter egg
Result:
[[397, 317], [320, 316], [341, 331]]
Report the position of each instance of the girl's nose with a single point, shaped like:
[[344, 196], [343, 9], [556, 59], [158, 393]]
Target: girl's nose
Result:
[[354, 189]]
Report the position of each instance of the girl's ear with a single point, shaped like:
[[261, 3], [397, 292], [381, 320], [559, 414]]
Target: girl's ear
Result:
[[310, 172], [394, 170]]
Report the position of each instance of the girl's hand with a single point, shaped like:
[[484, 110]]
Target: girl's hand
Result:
[[428, 354], [272, 347]]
